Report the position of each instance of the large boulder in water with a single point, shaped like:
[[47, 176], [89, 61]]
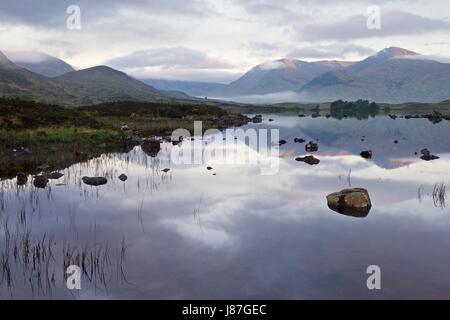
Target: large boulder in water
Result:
[[94, 181], [151, 147], [353, 202]]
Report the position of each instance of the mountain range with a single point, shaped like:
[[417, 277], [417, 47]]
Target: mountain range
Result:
[[73, 88], [393, 75]]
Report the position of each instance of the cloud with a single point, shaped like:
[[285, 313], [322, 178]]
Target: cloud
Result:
[[438, 58], [177, 57], [175, 63], [52, 14], [26, 56], [393, 23], [330, 51]]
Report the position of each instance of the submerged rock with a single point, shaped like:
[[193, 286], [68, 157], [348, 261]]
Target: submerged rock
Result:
[[427, 156], [94, 181], [366, 154], [353, 202], [40, 181], [311, 160], [123, 177], [54, 175], [151, 147], [22, 179], [311, 147]]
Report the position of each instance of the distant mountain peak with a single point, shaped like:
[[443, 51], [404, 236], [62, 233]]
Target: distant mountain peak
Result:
[[39, 62], [284, 63], [395, 52], [5, 62]]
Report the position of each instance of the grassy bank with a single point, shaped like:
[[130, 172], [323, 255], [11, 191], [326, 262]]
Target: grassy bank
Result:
[[32, 134], [155, 118], [30, 137]]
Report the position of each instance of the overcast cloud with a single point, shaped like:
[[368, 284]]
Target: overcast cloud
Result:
[[218, 40]]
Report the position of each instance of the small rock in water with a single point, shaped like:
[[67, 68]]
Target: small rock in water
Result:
[[281, 142], [209, 168], [395, 141], [366, 154], [427, 156], [22, 179], [123, 177], [311, 147], [299, 140], [151, 147], [165, 170], [54, 175], [311, 160], [94, 181], [40, 181], [353, 202], [257, 118], [270, 120]]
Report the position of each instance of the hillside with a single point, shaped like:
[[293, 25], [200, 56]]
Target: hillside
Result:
[[84, 87], [104, 84]]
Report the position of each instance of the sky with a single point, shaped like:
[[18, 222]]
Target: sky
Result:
[[219, 40]]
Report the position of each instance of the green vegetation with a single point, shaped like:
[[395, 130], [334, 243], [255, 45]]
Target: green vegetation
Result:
[[158, 118], [25, 123], [41, 135], [360, 109]]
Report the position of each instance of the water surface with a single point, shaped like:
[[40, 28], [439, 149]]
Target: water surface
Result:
[[190, 234]]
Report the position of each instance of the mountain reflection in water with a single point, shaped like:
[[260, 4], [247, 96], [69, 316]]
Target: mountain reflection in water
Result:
[[188, 233]]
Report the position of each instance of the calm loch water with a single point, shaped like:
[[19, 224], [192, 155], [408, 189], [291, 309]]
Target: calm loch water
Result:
[[230, 232]]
